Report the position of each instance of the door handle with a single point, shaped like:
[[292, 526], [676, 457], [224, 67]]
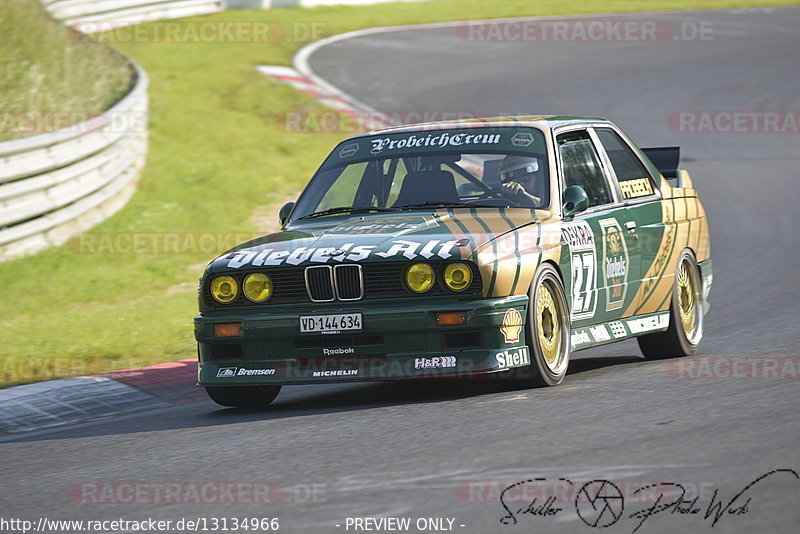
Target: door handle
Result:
[[631, 226]]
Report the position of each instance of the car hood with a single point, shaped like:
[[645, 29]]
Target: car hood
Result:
[[447, 234]]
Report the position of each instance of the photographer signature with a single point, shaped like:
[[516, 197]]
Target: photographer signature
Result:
[[601, 503]]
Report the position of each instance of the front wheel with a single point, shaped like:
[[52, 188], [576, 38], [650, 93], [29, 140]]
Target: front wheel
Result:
[[685, 315], [243, 396], [548, 328]]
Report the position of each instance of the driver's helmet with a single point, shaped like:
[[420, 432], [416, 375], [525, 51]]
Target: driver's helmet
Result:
[[520, 169]]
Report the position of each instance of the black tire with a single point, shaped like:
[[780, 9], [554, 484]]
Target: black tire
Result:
[[243, 396], [676, 341], [547, 329]]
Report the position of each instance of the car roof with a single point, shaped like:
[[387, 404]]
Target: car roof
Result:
[[537, 121]]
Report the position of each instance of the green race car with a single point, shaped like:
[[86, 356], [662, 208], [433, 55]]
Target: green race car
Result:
[[461, 249]]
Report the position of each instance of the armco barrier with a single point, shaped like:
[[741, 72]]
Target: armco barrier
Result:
[[123, 12], [55, 184]]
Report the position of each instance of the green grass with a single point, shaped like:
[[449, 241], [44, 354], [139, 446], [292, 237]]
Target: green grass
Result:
[[47, 69], [217, 163]]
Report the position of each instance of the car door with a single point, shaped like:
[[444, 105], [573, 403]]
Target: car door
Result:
[[640, 195], [602, 256]]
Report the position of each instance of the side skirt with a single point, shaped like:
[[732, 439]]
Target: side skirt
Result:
[[591, 336]]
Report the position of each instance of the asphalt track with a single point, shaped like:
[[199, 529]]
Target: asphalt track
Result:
[[409, 449]]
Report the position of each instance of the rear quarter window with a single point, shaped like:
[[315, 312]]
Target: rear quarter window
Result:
[[634, 179]]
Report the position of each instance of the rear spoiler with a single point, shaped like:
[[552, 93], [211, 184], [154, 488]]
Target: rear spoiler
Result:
[[665, 158]]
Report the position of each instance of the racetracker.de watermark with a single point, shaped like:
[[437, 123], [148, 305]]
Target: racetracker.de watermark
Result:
[[735, 368], [203, 492], [735, 121], [33, 122], [350, 122], [596, 30], [157, 242], [200, 32]]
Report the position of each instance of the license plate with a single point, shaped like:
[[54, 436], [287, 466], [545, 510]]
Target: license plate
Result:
[[330, 324]]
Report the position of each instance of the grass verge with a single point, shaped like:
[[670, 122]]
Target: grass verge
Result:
[[217, 165]]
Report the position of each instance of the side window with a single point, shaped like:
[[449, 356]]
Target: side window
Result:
[[581, 166], [634, 180]]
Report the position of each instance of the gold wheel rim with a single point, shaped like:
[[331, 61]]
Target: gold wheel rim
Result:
[[548, 320], [687, 301]]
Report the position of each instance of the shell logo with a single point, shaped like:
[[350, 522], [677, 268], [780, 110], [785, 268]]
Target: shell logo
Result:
[[512, 325]]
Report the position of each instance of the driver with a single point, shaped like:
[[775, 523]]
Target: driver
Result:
[[520, 176]]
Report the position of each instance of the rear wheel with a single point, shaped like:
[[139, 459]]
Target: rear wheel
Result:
[[685, 318], [243, 396], [548, 328]]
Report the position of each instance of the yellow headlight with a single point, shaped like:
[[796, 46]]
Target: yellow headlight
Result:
[[257, 287], [420, 277], [457, 276], [224, 289]]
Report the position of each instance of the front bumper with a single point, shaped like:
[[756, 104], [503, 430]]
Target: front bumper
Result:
[[398, 340]]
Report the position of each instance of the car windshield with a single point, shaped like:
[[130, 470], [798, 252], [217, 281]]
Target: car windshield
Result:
[[497, 167]]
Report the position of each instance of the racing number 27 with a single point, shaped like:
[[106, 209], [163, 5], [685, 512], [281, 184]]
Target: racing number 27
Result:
[[583, 284]]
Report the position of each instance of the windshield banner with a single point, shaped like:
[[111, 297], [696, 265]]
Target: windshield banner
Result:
[[468, 140]]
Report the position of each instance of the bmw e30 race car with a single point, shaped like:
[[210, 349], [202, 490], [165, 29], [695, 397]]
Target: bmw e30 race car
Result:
[[460, 249]]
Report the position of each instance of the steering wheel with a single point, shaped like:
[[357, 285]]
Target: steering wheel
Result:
[[489, 193]]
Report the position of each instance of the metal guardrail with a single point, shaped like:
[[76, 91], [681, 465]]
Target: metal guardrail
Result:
[[56, 184]]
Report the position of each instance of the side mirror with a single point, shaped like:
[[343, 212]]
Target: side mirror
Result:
[[574, 201], [285, 211]]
